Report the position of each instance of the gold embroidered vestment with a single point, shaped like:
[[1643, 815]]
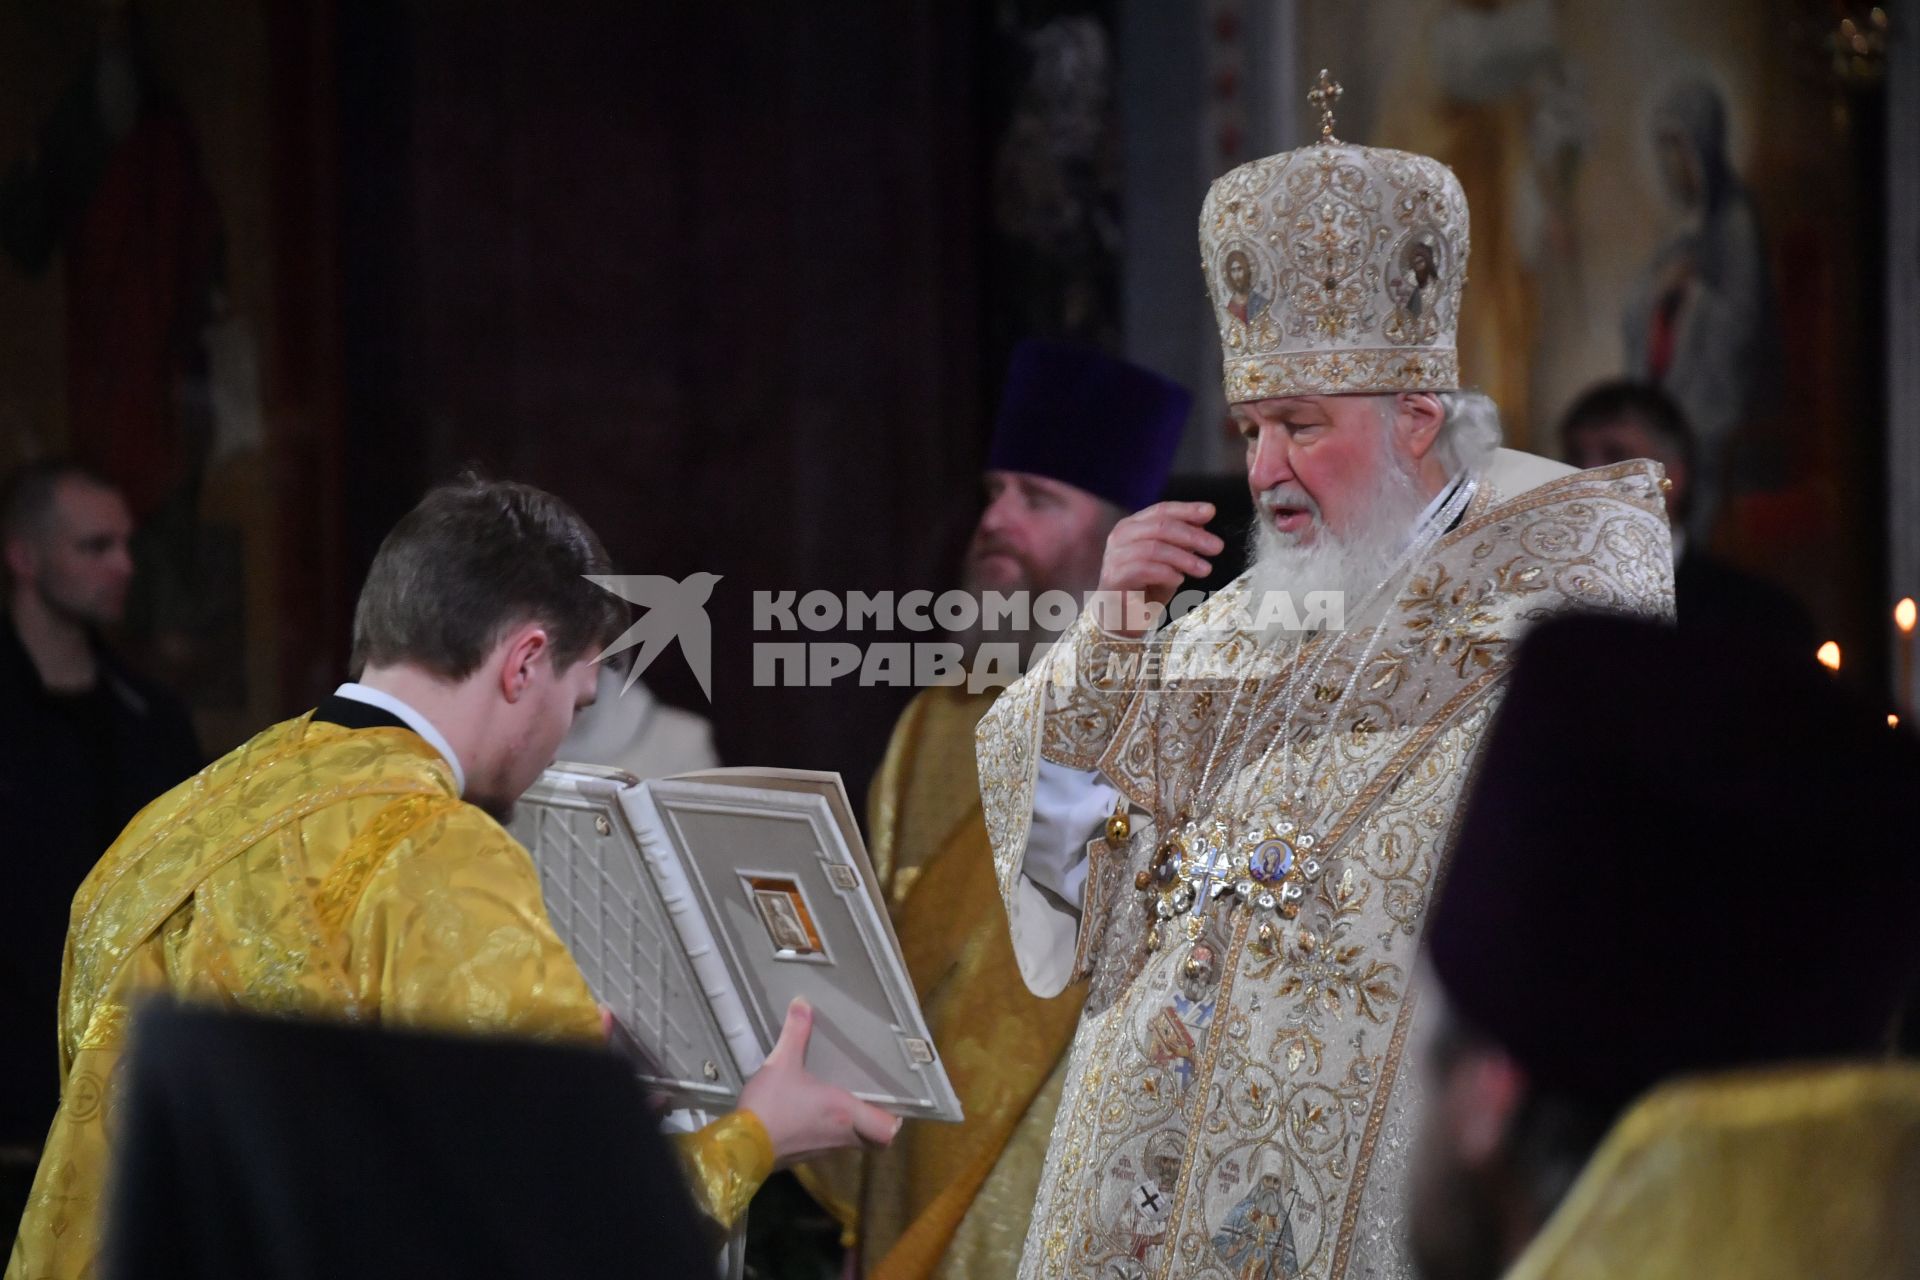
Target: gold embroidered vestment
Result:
[[952, 1200], [1238, 1100], [314, 871]]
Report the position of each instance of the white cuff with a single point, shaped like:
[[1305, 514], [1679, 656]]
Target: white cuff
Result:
[[1070, 808]]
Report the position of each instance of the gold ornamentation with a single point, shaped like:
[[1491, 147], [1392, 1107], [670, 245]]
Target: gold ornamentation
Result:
[[1308, 373], [1336, 270], [1266, 867], [1194, 967], [1313, 1012], [316, 872], [725, 1163], [1460, 620]]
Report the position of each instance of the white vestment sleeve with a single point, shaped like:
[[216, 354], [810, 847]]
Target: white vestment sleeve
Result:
[[1070, 808], [1041, 812]]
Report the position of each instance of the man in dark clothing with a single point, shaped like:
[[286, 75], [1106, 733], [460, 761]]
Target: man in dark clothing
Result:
[[1615, 421], [84, 744], [282, 1149], [1675, 936]]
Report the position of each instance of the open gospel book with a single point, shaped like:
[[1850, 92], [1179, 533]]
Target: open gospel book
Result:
[[698, 906]]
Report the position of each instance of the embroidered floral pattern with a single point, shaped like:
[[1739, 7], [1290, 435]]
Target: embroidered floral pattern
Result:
[[1288, 1069], [1336, 269]]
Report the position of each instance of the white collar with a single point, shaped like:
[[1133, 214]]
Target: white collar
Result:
[[1433, 507], [413, 720]]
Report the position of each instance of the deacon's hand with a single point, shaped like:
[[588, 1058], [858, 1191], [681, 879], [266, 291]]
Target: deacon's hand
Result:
[[802, 1114], [1149, 554]]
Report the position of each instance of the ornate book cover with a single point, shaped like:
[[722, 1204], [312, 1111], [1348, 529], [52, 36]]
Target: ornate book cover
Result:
[[698, 906]]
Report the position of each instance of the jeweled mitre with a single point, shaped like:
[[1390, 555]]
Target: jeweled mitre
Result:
[[1336, 269]]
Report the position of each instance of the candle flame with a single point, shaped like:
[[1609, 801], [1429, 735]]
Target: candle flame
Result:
[[1903, 614], [1829, 655], [1893, 721]]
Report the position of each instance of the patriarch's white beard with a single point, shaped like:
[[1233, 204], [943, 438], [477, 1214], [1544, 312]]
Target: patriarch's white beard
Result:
[[1352, 565]]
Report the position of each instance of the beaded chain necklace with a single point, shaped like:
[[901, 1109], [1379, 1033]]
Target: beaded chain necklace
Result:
[[1265, 864]]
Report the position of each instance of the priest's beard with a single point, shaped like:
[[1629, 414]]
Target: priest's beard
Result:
[[1078, 575], [1319, 559]]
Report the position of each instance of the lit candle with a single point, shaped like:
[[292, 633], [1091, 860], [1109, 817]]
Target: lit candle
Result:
[[1893, 721], [1829, 655], [1903, 614]]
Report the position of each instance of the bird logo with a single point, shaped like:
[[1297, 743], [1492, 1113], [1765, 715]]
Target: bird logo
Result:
[[674, 611]]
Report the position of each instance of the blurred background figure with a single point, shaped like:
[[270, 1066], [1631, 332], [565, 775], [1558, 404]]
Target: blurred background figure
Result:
[[1699, 323], [1615, 421], [84, 743], [113, 190], [1694, 1078], [1082, 439], [630, 728]]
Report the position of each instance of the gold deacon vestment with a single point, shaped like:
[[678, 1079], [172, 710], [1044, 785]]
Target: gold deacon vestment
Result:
[[1770, 1174], [952, 1200], [315, 871], [1238, 1099]]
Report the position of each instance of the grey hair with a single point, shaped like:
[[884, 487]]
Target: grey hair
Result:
[[1471, 431], [1469, 428]]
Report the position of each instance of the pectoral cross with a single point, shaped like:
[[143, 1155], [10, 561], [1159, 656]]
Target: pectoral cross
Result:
[[1149, 1198], [1322, 97], [1210, 882]]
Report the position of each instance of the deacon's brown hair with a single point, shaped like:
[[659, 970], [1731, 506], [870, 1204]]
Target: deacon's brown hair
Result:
[[476, 557]]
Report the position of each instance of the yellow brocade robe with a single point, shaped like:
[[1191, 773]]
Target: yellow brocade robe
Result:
[[1765, 1175], [952, 1200], [315, 871]]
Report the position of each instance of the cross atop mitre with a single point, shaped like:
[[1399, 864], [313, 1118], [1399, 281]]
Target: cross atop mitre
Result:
[[1323, 96]]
